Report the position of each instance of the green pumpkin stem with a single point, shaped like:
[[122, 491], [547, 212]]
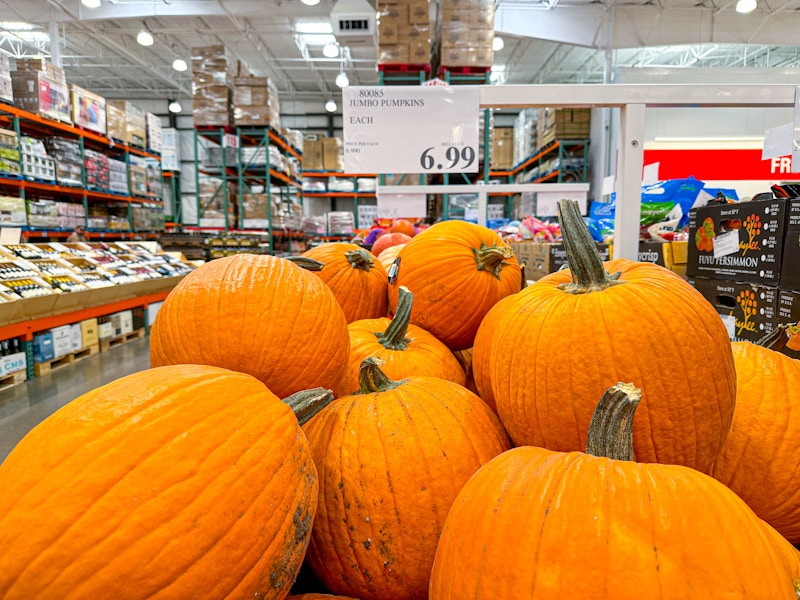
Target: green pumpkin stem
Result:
[[371, 379], [309, 264], [776, 339], [611, 427], [585, 264], [394, 338], [360, 259], [308, 403], [492, 258]]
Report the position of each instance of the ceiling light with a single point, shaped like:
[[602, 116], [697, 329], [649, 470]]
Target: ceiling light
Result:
[[342, 80], [330, 50], [746, 6], [91, 3], [310, 2], [330, 106], [175, 106], [498, 44], [145, 38], [179, 64]]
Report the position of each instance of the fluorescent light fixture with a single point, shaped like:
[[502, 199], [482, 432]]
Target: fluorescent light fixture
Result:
[[330, 50], [746, 6], [16, 26], [179, 64], [313, 27], [91, 3], [318, 39], [330, 106], [498, 44], [310, 2], [175, 106], [342, 80], [145, 38]]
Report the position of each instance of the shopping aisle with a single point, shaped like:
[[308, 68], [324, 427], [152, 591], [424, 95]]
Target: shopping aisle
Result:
[[23, 407]]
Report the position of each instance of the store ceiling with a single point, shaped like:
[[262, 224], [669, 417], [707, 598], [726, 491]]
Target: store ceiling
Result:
[[560, 44]]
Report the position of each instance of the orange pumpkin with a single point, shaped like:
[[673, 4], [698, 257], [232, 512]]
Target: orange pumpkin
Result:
[[482, 349], [457, 272], [759, 458], [402, 226], [597, 525], [391, 459], [319, 597], [387, 256], [180, 482], [405, 349], [387, 240], [259, 315], [585, 329], [356, 278], [465, 360]]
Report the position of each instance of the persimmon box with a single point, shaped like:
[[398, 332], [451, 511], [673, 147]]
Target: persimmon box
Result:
[[748, 311]]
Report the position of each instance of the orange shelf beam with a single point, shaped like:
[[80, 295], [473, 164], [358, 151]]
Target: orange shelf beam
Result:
[[335, 174]]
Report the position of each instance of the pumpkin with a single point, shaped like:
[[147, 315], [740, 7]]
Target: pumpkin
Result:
[[759, 458], [387, 240], [387, 256], [589, 329], [464, 358], [597, 525], [402, 226], [482, 349], [457, 271], [255, 314], [405, 349], [391, 459], [356, 278], [185, 481], [318, 597]]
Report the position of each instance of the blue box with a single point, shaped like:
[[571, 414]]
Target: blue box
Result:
[[43, 349]]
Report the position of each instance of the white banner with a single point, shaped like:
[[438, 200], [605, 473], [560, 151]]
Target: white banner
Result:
[[401, 206], [410, 129]]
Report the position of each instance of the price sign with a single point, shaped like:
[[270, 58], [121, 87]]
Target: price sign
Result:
[[230, 141], [411, 129], [400, 206]]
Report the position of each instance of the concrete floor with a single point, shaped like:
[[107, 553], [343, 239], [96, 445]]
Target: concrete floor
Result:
[[24, 406]]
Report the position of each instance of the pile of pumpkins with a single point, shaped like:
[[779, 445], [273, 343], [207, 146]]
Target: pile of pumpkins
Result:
[[594, 435]]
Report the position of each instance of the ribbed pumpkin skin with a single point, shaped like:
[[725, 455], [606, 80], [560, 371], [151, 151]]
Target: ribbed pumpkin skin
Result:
[[759, 458], [465, 359], [482, 349], [387, 240], [259, 315], [451, 296], [318, 597], [587, 527], [424, 355], [361, 294], [180, 482], [555, 353], [387, 256], [390, 465]]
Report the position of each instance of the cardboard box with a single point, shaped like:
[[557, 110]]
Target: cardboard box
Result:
[[89, 332], [76, 337], [748, 311], [651, 252], [12, 363], [312, 155], [62, 340], [388, 31], [37, 93], [123, 321], [419, 53], [541, 259], [332, 154], [43, 347], [105, 331], [746, 241], [152, 311], [396, 54], [789, 313], [88, 109], [135, 128], [419, 12], [790, 264]]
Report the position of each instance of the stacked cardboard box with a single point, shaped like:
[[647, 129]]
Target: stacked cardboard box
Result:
[[213, 70], [467, 33], [404, 32], [563, 124], [9, 152], [69, 163], [332, 154], [170, 155], [526, 131], [502, 157], [255, 102], [294, 137], [313, 150], [126, 122], [155, 140], [40, 87], [88, 109], [6, 87]]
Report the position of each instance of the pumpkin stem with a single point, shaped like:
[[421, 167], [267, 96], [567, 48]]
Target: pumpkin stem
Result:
[[308, 403], [309, 264], [492, 258], [776, 339], [585, 264], [371, 379], [360, 259], [394, 338], [611, 427]]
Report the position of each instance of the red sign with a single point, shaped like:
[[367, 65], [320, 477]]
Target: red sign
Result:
[[723, 164]]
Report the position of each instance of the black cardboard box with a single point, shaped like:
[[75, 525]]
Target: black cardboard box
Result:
[[748, 311], [652, 252], [752, 232], [790, 266], [789, 312], [541, 258]]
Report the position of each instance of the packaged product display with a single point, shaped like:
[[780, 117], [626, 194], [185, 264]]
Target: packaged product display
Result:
[[213, 69], [147, 218], [255, 102], [116, 122], [118, 176], [155, 140], [562, 124], [404, 33], [155, 184], [12, 211], [467, 33], [526, 131], [40, 87], [6, 86], [313, 154], [9, 153], [36, 164], [294, 137], [68, 163], [170, 152], [137, 172], [129, 123], [333, 154], [211, 197], [97, 170], [502, 156], [88, 109]]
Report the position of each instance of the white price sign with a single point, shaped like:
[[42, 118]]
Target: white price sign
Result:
[[410, 129], [401, 206]]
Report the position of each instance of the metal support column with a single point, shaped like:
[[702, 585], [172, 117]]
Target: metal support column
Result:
[[629, 182]]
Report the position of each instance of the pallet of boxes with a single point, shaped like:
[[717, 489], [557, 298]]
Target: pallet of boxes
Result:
[[41, 87], [467, 34], [404, 33]]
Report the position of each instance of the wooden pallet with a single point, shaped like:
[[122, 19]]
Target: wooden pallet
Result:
[[109, 344], [49, 366], [13, 379]]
